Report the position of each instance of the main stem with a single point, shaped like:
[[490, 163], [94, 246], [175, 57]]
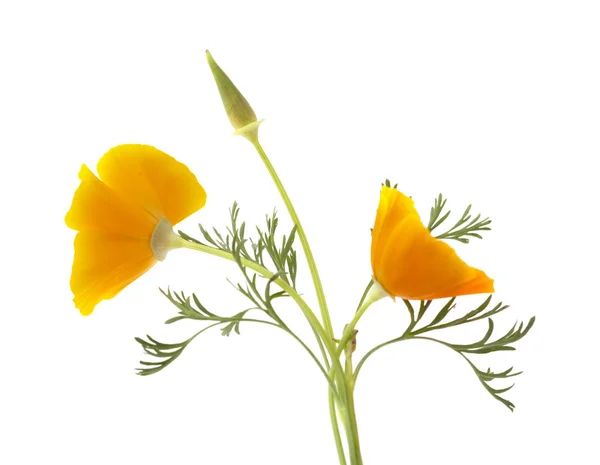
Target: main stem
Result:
[[338, 388], [314, 272], [351, 411], [178, 241], [343, 398], [347, 345]]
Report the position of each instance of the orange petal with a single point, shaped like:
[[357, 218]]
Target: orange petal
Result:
[[104, 264], [480, 284], [155, 180], [393, 207], [97, 207], [410, 263]]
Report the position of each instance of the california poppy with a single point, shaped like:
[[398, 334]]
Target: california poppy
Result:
[[408, 262], [124, 219]]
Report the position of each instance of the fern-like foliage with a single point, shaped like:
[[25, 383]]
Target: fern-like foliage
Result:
[[192, 309], [265, 250], [484, 345], [465, 228]]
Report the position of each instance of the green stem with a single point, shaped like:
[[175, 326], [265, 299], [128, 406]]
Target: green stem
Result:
[[344, 397], [314, 322], [355, 454], [372, 294], [345, 410], [337, 386], [301, 234], [372, 351], [352, 431], [406, 336], [321, 348], [310, 352], [365, 293], [336, 430]]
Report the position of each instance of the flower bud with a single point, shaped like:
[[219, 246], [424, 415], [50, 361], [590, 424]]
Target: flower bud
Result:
[[240, 113]]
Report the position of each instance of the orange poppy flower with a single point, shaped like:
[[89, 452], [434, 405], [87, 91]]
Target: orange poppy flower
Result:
[[408, 262], [125, 219]]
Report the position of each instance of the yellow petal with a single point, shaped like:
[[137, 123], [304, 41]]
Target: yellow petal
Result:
[[393, 207], [155, 180], [410, 263], [104, 264], [479, 284], [97, 207]]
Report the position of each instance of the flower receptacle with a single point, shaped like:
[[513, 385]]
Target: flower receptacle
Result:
[[163, 240]]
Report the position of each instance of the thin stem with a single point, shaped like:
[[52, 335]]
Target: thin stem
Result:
[[345, 409], [372, 294], [311, 353], [345, 397], [308, 313], [247, 320], [355, 455], [352, 432], [406, 336], [365, 293], [372, 351], [313, 320], [336, 430], [321, 348], [337, 386], [284, 328], [302, 235]]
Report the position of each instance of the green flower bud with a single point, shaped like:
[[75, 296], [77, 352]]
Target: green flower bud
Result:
[[240, 113]]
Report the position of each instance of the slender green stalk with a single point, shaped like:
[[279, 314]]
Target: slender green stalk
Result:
[[344, 396], [372, 294], [372, 351], [340, 391], [310, 352], [337, 386], [351, 431], [308, 313], [314, 272], [356, 458], [336, 430], [365, 293], [313, 320], [321, 348], [345, 410]]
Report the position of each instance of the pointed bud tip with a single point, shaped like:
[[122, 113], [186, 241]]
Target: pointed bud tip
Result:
[[238, 110], [210, 59]]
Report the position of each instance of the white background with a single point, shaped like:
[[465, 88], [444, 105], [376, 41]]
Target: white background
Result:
[[491, 103]]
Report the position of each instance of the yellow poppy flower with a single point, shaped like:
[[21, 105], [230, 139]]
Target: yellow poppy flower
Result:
[[125, 219], [408, 262]]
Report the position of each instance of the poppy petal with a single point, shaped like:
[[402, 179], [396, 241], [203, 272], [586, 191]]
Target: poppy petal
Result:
[[155, 180], [97, 207], [393, 207], [104, 264], [480, 284]]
